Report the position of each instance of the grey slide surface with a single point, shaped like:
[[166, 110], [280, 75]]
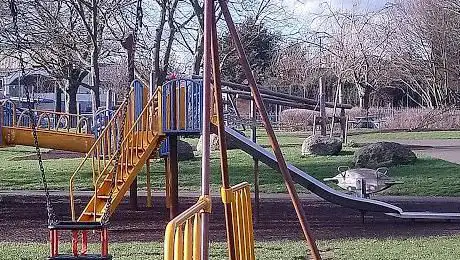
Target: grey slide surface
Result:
[[322, 190], [307, 181]]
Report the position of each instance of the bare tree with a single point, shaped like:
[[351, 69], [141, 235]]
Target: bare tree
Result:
[[425, 50]]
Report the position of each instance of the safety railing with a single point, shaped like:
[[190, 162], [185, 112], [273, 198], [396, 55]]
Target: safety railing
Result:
[[243, 230], [183, 233], [137, 134], [48, 120], [9, 112], [100, 120], [182, 106]]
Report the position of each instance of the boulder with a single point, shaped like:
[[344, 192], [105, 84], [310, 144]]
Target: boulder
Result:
[[383, 154], [184, 151], [214, 143], [321, 145]]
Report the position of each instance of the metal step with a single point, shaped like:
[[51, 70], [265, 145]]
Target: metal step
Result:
[[118, 181], [103, 197], [92, 214]]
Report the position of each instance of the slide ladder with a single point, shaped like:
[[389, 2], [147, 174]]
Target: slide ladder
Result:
[[111, 178]]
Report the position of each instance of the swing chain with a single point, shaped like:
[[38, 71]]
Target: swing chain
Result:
[[33, 123]]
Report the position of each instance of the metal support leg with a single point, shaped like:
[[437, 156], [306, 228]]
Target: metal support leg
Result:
[[148, 184], [173, 169]]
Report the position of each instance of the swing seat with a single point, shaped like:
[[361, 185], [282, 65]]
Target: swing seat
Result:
[[77, 228]]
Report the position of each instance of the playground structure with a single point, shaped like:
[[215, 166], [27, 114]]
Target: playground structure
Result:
[[140, 127], [147, 133], [144, 135]]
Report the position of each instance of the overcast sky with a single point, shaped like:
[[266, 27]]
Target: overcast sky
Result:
[[304, 7]]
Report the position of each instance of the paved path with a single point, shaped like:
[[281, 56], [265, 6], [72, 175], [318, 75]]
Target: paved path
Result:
[[448, 150]]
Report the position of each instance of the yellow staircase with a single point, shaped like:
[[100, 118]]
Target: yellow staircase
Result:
[[141, 137]]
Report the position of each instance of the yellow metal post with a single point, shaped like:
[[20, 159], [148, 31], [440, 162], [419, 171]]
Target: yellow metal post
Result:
[[188, 240], [149, 188], [160, 110], [179, 244]]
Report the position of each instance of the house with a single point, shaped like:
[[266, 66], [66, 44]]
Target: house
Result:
[[41, 87]]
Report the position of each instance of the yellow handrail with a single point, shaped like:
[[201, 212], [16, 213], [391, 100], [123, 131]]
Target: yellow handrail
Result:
[[143, 116], [183, 233], [144, 125], [110, 128]]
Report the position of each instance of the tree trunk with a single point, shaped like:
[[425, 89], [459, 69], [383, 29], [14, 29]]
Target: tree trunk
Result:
[[156, 52], [58, 99], [72, 99], [364, 96], [128, 44], [96, 98], [198, 55], [95, 94]]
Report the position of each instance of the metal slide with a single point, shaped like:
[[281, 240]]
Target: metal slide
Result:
[[322, 190]]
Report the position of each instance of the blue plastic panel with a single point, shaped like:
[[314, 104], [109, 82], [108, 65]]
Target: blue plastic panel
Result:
[[193, 106]]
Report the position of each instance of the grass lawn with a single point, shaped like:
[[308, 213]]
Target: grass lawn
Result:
[[426, 177], [428, 248]]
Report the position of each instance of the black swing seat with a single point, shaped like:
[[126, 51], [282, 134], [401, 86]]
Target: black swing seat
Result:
[[76, 228]]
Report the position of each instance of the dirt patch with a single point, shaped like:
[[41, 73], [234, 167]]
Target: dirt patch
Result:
[[23, 219], [50, 155]]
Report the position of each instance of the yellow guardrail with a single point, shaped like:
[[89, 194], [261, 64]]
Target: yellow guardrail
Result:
[[183, 233], [239, 197]]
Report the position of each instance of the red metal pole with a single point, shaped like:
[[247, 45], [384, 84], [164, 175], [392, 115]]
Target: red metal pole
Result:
[[271, 134], [104, 243], [52, 244], [222, 135], [84, 242], [75, 243], [56, 242]]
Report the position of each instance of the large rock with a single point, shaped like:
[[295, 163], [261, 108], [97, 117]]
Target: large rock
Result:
[[321, 145], [383, 154], [214, 143], [184, 151]]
